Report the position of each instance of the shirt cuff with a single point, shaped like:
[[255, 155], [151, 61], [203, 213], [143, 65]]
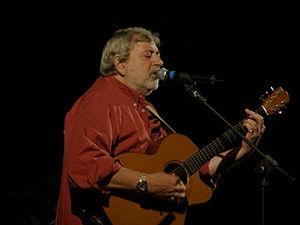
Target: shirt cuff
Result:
[[205, 176]]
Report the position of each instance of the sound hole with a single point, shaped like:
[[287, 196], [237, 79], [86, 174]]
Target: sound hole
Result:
[[176, 168]]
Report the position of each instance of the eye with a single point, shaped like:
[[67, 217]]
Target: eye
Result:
[[148, 54]]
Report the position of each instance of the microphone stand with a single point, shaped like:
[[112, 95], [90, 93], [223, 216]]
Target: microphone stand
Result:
[[263, 169], [267, 164]]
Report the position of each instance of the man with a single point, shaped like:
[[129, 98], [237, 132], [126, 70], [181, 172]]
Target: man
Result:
[[113, 117]]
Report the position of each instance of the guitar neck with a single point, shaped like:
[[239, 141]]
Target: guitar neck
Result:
[[225, 141]]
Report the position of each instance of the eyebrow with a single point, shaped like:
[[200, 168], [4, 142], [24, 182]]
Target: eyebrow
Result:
[[157, 52]]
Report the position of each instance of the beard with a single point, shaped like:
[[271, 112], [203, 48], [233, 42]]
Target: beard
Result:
[[153, 85]]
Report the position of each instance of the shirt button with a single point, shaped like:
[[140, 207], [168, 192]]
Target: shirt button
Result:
[[143, 110], [134, 104]]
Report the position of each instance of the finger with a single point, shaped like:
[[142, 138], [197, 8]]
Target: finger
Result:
[[178, 194], [250, 112], [258, 120], [180, 187], [262, 129], [258, 127], [250, 126], [172, 198], [256, 117], [177, 179], [181, 195], [253, 114]]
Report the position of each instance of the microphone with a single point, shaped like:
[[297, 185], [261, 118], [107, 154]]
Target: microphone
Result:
[[164, 74]]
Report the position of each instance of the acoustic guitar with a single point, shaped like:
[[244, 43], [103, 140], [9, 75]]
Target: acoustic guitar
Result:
[[179, 155]]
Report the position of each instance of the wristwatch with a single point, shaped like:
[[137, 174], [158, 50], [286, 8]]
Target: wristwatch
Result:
[[142, 185]]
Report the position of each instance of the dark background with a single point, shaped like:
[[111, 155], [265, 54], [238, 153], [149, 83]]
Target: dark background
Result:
[[50, 53]]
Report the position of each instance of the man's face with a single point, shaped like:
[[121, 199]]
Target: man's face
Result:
[[141, 67]]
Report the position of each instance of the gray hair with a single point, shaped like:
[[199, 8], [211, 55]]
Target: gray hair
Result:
[[121, 43]]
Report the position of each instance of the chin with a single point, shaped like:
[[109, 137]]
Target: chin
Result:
[[152, 89], [156, 84], [153, 86]]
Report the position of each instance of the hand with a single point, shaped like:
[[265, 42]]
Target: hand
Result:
[[254, 125], [164, 185]]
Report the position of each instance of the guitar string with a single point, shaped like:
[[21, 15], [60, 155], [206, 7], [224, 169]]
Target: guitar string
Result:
[[192, 164], [213, 149]]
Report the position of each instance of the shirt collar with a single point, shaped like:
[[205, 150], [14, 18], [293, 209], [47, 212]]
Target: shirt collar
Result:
[[136, 96]]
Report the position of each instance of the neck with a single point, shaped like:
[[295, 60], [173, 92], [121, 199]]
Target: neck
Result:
[[130, 85]]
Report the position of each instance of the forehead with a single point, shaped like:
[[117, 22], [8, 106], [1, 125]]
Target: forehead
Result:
[[144, 46]]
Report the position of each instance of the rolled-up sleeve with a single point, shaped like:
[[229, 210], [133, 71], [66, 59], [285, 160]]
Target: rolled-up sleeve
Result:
[[89, 137], [205, 176]]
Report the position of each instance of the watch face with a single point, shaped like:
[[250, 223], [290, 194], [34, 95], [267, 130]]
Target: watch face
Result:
[[142, 186]]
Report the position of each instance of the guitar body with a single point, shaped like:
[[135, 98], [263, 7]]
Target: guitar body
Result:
[[177, 149], [174, 148]]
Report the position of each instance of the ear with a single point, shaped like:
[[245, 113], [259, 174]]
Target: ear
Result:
[[119, 65]]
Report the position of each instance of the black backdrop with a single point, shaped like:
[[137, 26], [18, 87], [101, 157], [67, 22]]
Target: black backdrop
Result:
[[52, 52]]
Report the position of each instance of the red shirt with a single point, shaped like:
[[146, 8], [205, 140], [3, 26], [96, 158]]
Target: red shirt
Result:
[[110, 118]]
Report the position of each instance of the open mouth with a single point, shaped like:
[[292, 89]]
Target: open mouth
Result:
[[154, 76]]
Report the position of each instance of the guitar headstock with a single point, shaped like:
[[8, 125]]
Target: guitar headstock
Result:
[[275, 101]]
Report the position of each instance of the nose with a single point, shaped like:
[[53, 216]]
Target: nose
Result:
[[158, 61], [161, 62]]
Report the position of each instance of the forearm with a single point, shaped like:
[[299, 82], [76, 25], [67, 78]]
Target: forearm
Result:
[[224, 160], [160, 184], [124, 179]]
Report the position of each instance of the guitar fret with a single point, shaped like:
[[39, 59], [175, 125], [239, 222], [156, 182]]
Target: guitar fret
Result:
[[220, 145], [195, 161], [193, 165], [227, 140], [210, 150], [206, 154]]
